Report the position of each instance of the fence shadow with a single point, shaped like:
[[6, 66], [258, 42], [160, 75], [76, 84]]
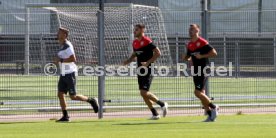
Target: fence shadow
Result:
[[154, 123]]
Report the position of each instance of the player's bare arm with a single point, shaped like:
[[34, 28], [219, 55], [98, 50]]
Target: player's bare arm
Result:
[[130, 59], [186, 57], [211, 54], [56, 60], [156, 54], [72, 58]]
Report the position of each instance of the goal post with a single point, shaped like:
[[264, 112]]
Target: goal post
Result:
[[81, 20]]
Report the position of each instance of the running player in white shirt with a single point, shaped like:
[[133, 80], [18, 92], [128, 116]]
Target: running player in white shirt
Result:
[[67, 81]]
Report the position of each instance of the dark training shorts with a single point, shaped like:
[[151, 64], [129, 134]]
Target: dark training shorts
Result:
[[67, 83], [145, 82], [199, 82]]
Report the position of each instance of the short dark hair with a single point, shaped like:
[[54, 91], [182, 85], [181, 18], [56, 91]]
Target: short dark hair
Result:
[[64, 30], [140, 25], [196, 25]]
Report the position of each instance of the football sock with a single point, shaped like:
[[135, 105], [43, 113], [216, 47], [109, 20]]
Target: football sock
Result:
[[154, 112], [209, 112], [89, 100], [65, 113], [160, 103]]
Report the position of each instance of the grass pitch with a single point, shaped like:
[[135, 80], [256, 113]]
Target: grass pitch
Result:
[[234, 126]]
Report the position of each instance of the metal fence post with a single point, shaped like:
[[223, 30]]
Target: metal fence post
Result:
[[204, 18], [237, 60], [101, 45], [274, 47], [27, 42], [260, 8], [42, 52], [177, 49], [224, 51], [204, 30], [208, 16], [131, 28]]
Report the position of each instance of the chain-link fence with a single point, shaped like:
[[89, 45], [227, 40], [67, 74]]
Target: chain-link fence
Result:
[[249, 54]]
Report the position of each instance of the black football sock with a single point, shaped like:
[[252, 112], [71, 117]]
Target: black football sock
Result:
[[209, 112], [160, 103], [212, 105], [89, 100], [65, 113], [154, 112]]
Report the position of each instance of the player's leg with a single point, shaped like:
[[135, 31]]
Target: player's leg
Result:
[[163, 105], [62, 102], [210, 108], [92, 101], [79, 98], [199, 92], [71, 85], [203, 98], [61, 96], [143, 82], [149, 103], [152, 97], [149, 98]]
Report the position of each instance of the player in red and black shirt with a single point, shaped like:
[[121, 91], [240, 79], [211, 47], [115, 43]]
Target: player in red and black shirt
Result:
[[199, 50], [146, 53]]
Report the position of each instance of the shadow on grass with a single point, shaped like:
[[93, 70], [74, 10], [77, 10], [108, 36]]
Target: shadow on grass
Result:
[[7, 90], [6, 123], [155, 123], [99, 121], [93, 121]]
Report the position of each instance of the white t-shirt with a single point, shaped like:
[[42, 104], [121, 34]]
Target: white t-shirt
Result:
[[65, 52]]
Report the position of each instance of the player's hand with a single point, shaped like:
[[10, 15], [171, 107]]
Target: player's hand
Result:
[[56, 60], [145, 64], [183, 57], [198, 56], [126, 62]]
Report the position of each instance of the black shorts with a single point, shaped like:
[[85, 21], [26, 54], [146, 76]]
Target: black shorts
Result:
[[67, 83], [199, 82], [145, 82]]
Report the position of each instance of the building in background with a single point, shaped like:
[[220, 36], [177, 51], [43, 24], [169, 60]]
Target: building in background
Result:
[[141, 2], [12, 17], [226, 17], [222, 19]]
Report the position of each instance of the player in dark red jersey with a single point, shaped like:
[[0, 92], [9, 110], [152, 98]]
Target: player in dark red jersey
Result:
[[199, 50], [146, 53]]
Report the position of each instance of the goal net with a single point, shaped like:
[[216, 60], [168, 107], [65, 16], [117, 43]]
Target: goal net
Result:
[[81, 20]]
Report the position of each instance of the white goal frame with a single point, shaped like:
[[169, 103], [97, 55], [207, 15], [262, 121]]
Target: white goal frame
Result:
[[27, 24]]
